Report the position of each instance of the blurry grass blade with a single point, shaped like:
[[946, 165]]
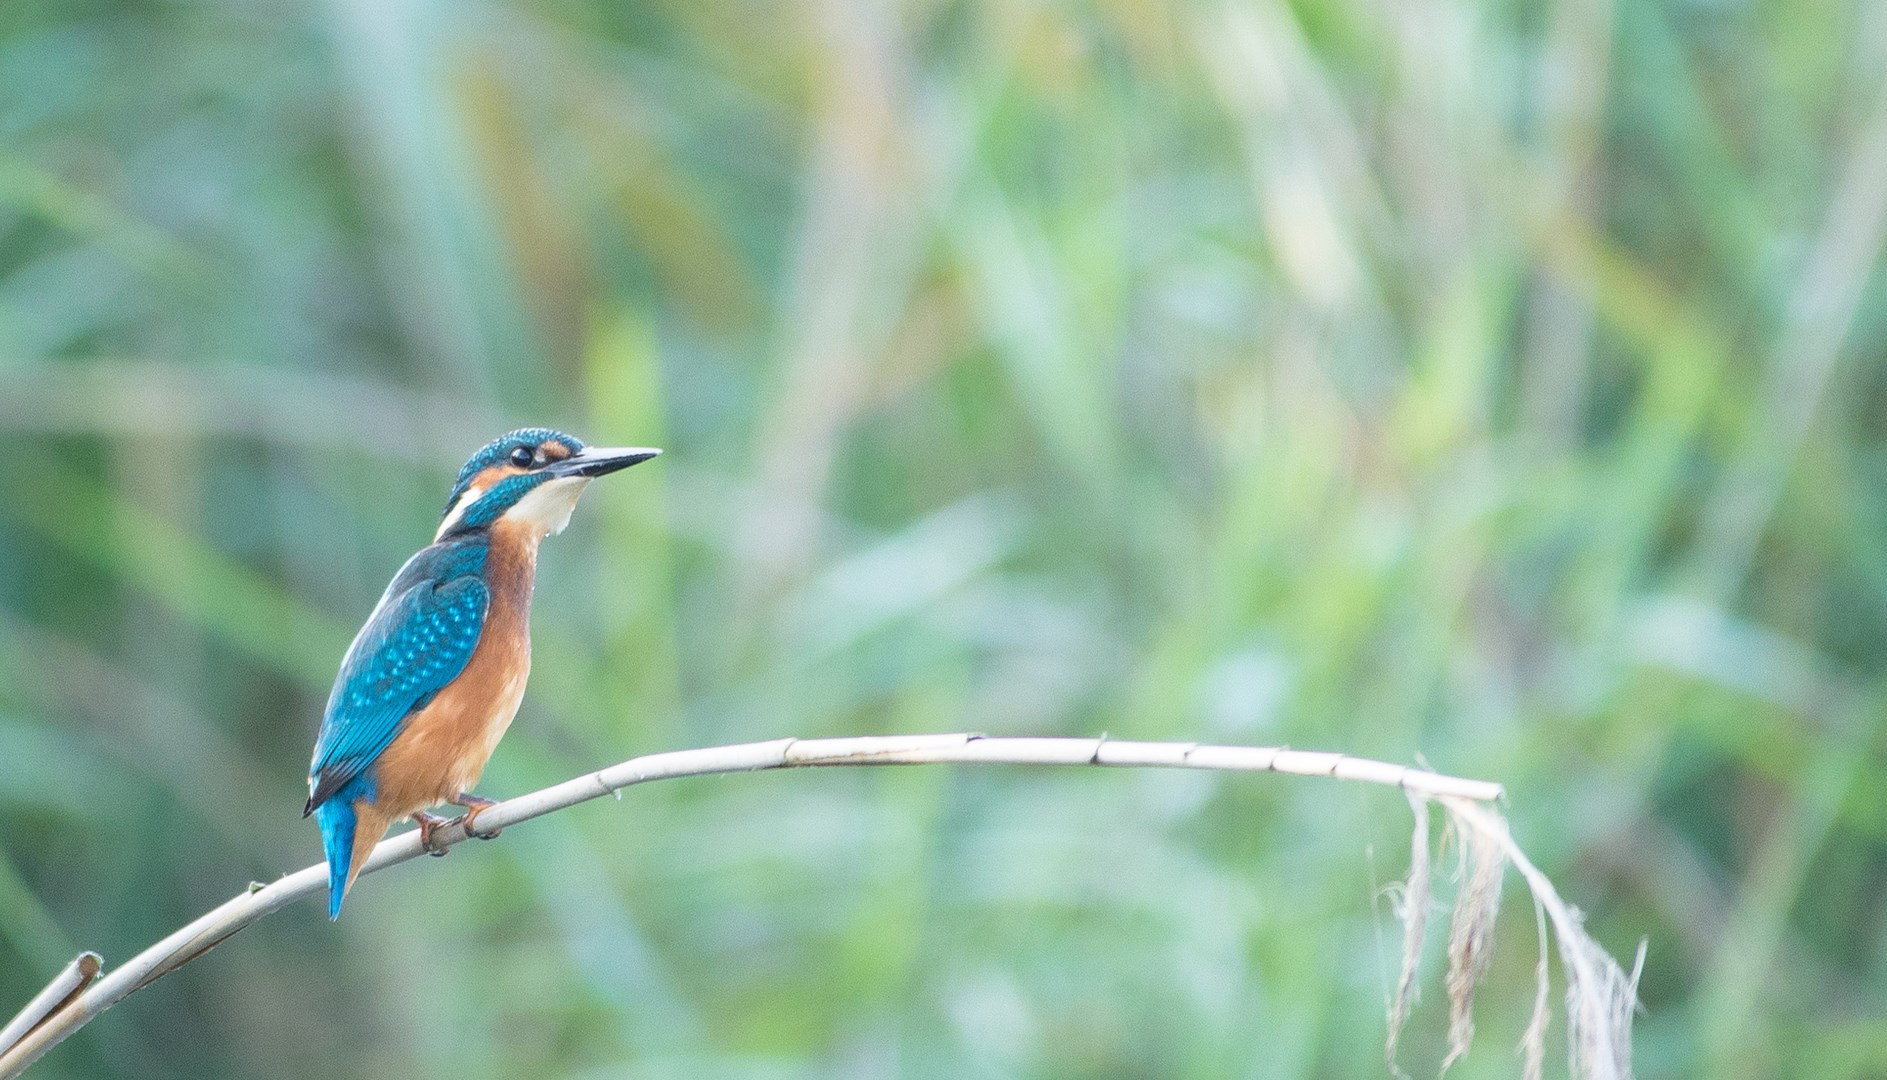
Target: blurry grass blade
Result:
[[254, 616], [120, 397], [144, 246], [1706, 642], [1738, 991], [130, 721], [1822, 309], [635, 582], [41, 769], [27, 924], [447, 263], [1064, 381], [905, 573]]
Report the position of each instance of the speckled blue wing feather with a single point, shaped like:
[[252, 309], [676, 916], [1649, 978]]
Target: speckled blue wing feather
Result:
[[417, 641]]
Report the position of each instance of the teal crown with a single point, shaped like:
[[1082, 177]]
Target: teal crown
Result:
[[498, 451]]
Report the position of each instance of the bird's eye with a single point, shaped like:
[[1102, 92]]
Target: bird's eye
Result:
[[521, 457]]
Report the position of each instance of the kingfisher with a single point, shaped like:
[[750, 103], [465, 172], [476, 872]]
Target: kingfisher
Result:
[[435, 676]]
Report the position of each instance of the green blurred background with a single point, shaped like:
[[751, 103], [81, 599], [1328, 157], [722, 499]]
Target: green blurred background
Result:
[[1493, 384]]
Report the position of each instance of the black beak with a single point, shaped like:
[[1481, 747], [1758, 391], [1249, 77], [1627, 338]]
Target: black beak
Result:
[[598, 460]]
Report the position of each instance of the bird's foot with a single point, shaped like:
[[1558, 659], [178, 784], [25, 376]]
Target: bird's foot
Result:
[[474, 805], [429, 824]]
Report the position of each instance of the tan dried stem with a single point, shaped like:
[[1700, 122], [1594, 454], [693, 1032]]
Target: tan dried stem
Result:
[[1599, 998]]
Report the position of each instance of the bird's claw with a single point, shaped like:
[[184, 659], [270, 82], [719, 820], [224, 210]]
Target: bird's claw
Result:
[[474, 806], [428, 825], [471, 829]]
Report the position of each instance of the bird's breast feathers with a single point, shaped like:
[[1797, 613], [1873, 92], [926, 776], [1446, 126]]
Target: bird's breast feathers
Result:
[[444, 745]]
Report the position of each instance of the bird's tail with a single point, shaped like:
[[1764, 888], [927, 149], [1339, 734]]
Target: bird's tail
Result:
[[337, 821], [352, 822]]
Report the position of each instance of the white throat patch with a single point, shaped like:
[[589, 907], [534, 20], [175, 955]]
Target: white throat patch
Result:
[[546, 507]]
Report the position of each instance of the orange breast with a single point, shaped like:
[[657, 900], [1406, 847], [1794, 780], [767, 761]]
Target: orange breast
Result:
[[444, 747]]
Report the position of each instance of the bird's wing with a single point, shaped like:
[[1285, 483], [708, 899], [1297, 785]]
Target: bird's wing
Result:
[[416, 642]]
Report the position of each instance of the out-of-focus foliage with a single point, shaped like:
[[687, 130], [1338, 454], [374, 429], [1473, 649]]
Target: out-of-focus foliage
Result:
[[1495, 384]]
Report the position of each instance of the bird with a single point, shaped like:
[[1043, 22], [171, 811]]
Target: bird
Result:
[[436, 674]]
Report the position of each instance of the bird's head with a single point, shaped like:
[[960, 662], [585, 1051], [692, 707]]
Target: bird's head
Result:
[[531, 477]]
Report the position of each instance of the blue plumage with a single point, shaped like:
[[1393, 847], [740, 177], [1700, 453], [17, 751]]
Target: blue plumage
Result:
[[417, 641], [337, 819]]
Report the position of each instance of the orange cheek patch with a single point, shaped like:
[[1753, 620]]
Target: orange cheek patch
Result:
[[488, 478]]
